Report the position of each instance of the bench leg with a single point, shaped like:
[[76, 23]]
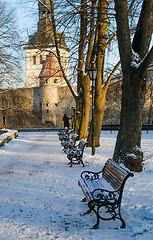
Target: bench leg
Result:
[[87, 212], [97, 224], [84, 200], [70, 162], [123, 223], [81, 162], [114, 211], [95, 208], [91, 205], [122, 220]]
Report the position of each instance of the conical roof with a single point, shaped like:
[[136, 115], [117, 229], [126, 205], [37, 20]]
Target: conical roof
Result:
[[51, 67]]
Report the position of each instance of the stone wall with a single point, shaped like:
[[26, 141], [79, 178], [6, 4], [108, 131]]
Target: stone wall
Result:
[[23, 107], [65, 104]]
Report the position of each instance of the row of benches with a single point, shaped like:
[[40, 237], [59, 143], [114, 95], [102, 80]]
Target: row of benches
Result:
[[103, 190], [71, 147]]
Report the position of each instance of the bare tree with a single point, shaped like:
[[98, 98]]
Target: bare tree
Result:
[[83, 23], [10, 44], [135, 59]]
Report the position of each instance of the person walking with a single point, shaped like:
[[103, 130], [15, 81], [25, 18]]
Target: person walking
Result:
[[66, 121]]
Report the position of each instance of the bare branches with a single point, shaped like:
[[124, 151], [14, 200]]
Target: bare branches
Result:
[[9, 48], [123, 33], [144, 29], [147, 61]]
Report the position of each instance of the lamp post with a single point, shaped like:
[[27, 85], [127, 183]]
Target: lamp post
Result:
[[92, 71]]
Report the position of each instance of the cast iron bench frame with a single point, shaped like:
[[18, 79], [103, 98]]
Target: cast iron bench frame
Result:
[[104, 189], [75, 155], [64, 136], [70, 143]]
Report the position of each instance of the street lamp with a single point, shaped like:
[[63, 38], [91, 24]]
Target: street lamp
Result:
[[92, 71]]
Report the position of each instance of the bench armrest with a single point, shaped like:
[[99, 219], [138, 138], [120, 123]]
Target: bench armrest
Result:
[[91, 175], [106, 195]]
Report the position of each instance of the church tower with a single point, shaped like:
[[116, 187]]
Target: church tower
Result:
[[45, 23], [42, 67], [40, 44]]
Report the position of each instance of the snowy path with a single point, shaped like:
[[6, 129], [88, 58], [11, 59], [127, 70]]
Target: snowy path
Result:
[[40, 198]]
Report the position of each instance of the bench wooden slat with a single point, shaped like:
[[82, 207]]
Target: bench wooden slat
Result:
[[116, 181], [118, 175]]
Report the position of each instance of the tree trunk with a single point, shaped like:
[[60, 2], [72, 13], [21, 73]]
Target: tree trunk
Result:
[[100, 90], [128, 143], [85, 107], [99, 114], [83, 104], [98, 118], [78, 115]]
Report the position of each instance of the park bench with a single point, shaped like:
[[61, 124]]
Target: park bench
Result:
[[75, 154], [70, 143], [103, 191], [64, 135], [61, 133]]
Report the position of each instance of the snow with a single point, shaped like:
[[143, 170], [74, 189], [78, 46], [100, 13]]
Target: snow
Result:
[[134, 65], [136, 60], [40, 197]]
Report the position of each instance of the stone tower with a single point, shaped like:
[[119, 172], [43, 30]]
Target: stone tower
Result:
[[42, 68], [40, 44]]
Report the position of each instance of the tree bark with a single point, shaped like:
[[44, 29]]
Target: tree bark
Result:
[[86, 107], [100, 91], [83, 78], [128, 143]]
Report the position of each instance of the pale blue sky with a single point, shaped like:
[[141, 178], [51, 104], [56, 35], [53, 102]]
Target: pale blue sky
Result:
[[26, 16]]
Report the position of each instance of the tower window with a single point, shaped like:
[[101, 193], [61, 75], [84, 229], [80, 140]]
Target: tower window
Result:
[[47, 104], [47, 111], [46, 80], [55, 80], [34, 60], [40, 59]]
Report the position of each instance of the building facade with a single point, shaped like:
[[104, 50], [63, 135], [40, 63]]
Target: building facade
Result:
[[42, 67]]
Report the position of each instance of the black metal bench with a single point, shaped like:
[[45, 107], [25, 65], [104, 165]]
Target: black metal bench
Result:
[[75, 155], [64, 135], [103, 190], [70, 143]]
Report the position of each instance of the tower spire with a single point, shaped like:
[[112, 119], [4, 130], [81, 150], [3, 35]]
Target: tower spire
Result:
[[44, 36], [45, 23]]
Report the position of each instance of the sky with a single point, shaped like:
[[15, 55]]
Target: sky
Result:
[[26, 18]]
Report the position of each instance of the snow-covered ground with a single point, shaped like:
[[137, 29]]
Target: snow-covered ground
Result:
[[40, 197]]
